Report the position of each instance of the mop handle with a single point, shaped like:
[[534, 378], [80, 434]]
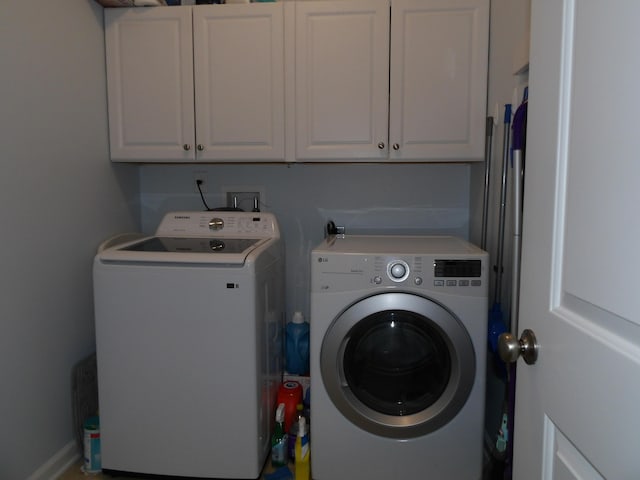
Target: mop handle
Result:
[[503, 200]]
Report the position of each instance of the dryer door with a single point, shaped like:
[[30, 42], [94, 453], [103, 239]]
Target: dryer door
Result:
[[398, 365]]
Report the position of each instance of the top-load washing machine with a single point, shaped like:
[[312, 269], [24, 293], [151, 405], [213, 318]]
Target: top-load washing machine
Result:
[[398, 345], [189, 327]]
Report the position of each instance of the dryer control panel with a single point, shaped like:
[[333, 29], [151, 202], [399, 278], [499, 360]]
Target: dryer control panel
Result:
[[462, 271]]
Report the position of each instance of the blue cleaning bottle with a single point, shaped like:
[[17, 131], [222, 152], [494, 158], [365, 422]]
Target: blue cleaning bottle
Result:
[[297, 346]]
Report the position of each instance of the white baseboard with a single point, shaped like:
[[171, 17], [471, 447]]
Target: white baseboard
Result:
[[58, 464]]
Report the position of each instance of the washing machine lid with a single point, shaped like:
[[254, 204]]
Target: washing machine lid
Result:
[[211, 246], [222, 238]]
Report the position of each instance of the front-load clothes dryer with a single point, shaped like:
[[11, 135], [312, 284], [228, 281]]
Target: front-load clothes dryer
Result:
[[189, 327], [398, 345]]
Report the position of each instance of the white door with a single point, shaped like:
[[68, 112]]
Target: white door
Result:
[[577, 407], [239, 81], [342, 80]]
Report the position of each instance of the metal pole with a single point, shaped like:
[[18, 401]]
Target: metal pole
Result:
[[503, 201], [487, 180], [517, 238]]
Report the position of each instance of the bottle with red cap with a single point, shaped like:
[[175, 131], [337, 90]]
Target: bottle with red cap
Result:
[[289, 393]]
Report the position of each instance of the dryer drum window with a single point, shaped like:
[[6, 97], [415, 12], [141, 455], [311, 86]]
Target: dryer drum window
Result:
[[398, 365]]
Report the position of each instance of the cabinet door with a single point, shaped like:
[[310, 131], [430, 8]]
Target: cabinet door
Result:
[[342, 63], [150, 83], [239, 82], [439, 54]]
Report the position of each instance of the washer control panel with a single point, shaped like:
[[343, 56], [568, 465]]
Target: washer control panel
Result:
[[219, 224]]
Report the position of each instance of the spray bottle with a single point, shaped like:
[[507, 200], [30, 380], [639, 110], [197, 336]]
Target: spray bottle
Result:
[[302, 451], [279, 440]]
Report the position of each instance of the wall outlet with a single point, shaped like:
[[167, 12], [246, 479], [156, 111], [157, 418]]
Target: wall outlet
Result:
[[204, 179]]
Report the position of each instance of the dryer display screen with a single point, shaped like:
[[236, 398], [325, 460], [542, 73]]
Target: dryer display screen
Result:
[[457, 268]]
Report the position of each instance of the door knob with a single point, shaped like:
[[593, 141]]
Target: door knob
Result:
[[510, 348]]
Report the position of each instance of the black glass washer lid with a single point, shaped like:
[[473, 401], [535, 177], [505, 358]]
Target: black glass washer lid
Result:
[[192, 245]]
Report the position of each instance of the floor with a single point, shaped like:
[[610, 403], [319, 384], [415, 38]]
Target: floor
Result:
[[76, 473]]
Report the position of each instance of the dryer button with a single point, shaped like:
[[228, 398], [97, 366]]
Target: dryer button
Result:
[[398, 271], [377, 279], [418, 281]]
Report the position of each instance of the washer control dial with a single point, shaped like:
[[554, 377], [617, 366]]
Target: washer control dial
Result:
[[216, 223], [398, 270]]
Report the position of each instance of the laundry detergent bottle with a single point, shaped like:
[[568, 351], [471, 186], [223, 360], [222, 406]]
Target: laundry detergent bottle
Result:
[[297, 345]]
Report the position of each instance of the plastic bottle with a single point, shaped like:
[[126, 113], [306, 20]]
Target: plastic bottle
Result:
[[279, 441], [293, 431], [302, 452], [297, 349], [289, 393]]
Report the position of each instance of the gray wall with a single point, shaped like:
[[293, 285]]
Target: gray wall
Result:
[[59, 197], [407, 199]]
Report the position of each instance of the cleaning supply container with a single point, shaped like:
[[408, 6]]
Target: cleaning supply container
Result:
[[279, 440], [297, 345], [289, 393], [303, 452], [92, 455], [295, 427]]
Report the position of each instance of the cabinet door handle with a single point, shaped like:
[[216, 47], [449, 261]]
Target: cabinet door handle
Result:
[[186, 147], [381, 145], [396, 146], [200, 147]]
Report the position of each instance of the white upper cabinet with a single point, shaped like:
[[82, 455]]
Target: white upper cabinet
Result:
[[342, 79], [239, 81], [366, 80], [405, 81], [150, 83], [438, 91], [196, 84]]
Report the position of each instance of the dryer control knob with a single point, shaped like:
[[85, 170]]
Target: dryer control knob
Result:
[[216, 223], [398, 271]]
